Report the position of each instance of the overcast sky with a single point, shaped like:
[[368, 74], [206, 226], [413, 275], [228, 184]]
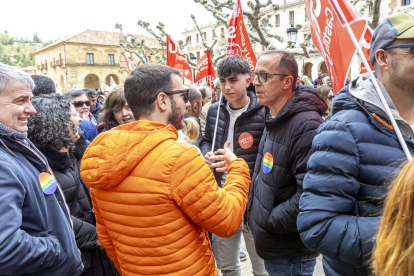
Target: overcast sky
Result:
[[53, 19]]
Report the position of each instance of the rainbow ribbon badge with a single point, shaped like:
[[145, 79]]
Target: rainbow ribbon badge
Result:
[[48, 183], [267, 163]]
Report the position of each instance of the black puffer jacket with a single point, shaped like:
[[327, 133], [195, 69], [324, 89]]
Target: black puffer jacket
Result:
[[278, 175], [251, 121], [66, 170]]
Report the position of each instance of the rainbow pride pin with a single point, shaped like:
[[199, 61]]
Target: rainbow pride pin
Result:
[[48, 183], [267, 163]]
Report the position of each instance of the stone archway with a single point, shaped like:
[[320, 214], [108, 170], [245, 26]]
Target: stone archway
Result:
[[108, 79], [91, 81], [323, 68], [308, 70]]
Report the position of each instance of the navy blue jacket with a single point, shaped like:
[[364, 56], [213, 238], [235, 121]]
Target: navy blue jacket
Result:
[[355, 157], [89, 129], [277, 185], [36, 236]]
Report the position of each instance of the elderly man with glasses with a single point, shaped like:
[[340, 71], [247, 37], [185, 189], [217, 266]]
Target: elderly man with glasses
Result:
[[356, 154], [154, 197], [294, 114], [82, 105]]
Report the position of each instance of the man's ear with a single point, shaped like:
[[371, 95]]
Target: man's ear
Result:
[[162, 102], [248, 80], [382, 59], [289, 82]]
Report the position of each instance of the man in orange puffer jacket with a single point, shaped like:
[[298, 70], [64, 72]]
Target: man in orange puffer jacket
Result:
[[155, 198]]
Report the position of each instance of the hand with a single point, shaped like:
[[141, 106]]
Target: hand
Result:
[[225, 158], [207, 158]]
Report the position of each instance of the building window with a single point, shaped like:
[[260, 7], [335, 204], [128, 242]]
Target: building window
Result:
[[292, 17], [198, 56], [197, 38], [189, 39], [277, 21], [89, 58], [111, 59], [213, 34], [405, 2], [222, 32], [205, 36]]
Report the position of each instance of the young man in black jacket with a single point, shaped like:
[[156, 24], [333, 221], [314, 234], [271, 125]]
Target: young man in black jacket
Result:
[[241, 121], [295, 114]]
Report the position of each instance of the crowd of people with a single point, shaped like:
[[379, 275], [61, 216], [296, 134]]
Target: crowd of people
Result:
[[161, 178]]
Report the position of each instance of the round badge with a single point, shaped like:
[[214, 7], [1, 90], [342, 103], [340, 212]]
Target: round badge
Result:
[[246, 140], [267, 163], [48, 183]]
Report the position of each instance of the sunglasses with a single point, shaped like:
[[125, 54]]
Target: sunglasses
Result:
[[331, 98], [184, 92], [81, 103]]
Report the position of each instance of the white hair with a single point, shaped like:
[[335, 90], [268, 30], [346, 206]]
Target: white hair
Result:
[[12, 74]]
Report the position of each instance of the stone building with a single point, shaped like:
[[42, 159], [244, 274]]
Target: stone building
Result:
[[85, 60]]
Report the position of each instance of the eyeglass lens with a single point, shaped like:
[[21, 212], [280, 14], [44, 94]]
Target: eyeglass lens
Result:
[[81, 103]]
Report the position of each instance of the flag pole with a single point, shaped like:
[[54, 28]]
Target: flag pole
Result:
[[373, 79], [217, 118]]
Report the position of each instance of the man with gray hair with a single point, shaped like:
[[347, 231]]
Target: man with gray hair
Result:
[[36, 235], [196, 102]]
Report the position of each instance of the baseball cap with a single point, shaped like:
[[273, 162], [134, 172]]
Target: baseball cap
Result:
[[397, 26]]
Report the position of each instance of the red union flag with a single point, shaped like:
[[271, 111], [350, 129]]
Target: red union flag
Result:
[[205, 69], [330, 36], [176, 59], [239, 42], [366, 46], [130, 66]]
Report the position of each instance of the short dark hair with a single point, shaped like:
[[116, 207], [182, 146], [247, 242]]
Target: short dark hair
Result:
[[51, 125], [73, 94], [232, 65], [193, 92], [43, 85], [287, 64], [115, 101], [90, 93], [144, 83]]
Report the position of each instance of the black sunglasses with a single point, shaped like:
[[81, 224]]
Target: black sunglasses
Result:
[[81, 103], [331, 97], [184, 92]]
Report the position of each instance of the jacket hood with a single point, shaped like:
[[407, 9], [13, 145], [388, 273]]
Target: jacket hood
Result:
[[114, 154], [305, 98], [361, 94]]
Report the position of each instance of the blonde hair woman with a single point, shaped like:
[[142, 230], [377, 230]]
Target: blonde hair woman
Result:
[[394, 253]]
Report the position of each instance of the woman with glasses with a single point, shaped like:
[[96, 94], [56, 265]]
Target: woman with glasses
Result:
[[54, 130], [327, 95], [116, 111], [82, 105]]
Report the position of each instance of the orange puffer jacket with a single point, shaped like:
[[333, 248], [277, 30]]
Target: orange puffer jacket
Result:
[[156, 198]]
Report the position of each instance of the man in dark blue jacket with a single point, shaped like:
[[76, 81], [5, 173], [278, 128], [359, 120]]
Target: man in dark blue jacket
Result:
[[241, 121], [357, 154], [295, 114], [36, 236]]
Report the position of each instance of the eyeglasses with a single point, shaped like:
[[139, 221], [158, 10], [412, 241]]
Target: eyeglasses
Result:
[[331, 97], [263, 76], [81, 103], [202, 103], [74, 114], [184, 92], [411, 45]]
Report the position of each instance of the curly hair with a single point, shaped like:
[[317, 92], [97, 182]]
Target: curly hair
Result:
[[115, 101], [51, 125], [44, 85]]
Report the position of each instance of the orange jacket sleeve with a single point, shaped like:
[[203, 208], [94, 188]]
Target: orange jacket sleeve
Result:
[[102, 231], [194, 189]]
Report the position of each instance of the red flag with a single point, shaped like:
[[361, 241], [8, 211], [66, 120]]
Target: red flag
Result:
[[366, 46], [176, 59], [130, 66], [205, 68], [331, 37], [239, 42]]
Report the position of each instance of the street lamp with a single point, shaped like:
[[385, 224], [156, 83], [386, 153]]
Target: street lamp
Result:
[[292, 34]]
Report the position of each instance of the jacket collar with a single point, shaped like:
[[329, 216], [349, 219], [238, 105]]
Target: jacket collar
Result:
[[253, 101]]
